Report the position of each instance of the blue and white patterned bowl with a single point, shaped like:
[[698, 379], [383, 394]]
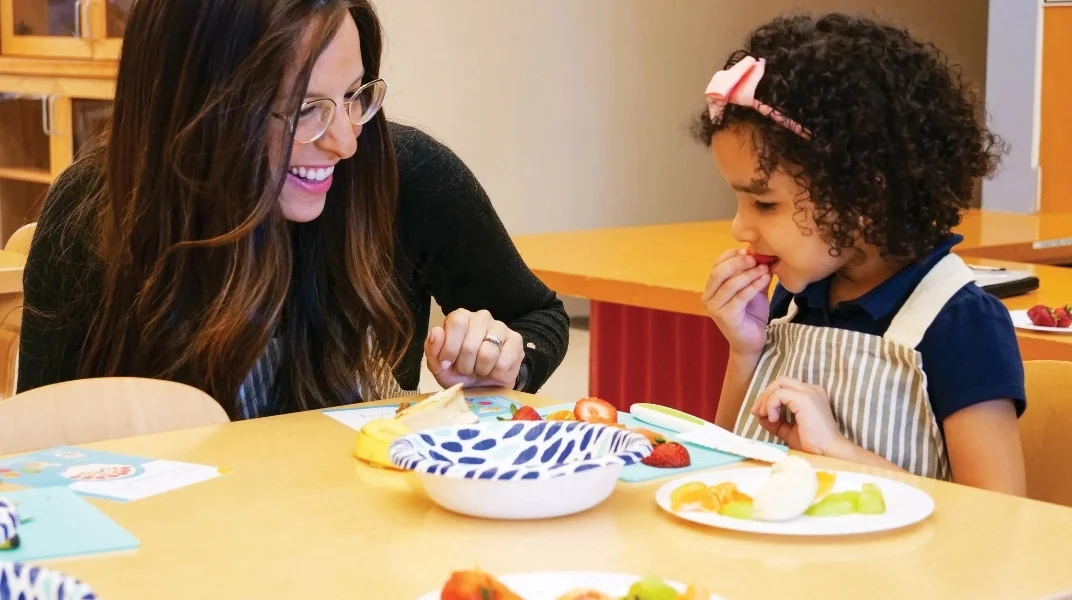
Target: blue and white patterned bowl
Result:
[[19, 581], [9, 525], [519, 469]]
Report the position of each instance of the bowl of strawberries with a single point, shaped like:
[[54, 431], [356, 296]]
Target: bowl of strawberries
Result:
[[519, 469]]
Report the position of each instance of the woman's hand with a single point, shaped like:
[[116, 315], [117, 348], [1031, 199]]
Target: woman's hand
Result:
[[813, 428], [460, 351], [736, 298]]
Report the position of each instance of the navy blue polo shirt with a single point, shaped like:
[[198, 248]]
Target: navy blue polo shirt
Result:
[[970, 354]]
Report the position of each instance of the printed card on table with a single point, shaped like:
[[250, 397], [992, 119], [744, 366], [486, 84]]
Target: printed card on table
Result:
[[488, 408], [102, 474]]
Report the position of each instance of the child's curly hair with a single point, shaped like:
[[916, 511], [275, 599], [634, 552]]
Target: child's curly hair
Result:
[[897, 141]]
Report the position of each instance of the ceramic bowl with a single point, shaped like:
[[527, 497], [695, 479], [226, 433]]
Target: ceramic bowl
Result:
[[9, 525], [28, 582], [519, 469]]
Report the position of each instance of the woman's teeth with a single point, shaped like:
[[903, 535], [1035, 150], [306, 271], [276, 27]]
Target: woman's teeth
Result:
[[312, 174]]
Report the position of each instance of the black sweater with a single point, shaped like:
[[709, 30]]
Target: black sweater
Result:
[[453, 248]]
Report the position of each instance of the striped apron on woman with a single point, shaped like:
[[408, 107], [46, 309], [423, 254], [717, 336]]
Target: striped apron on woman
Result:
[[257, 393], [876, 385]]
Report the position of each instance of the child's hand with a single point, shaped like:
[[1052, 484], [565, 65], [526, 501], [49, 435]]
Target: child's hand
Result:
[[736, 298], [813, 428]]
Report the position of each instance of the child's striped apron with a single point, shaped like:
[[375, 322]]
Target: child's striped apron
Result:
[[877, 387]]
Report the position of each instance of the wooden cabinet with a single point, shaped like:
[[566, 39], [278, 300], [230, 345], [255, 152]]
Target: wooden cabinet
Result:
[[1055, 134], [81, 29], [57, 80]]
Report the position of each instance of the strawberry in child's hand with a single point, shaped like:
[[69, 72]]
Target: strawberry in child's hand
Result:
[[594, 410], [1063, 316], [761, 259], [670, 455], [1042, 316]]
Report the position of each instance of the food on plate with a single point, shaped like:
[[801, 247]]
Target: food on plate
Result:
[[444, 409], [791, 486], [740, 509], [1044, 316], [871, 500], [475, 585], [479, 585], [826, 481], [668, 455], [651, 588], [835, 505], [595, 410], [788, 491], [585, 595], [761, 259], [721, 498], [1063, 315]]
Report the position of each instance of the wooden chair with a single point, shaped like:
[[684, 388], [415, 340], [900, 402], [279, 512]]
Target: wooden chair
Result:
[[1046, 431], [11, 316], [90, 410]]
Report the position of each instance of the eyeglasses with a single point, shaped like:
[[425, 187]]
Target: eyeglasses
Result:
[[316, 116]]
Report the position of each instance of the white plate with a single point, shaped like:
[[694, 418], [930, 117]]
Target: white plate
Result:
[[551, 585], [905, 505], [1021, 321]]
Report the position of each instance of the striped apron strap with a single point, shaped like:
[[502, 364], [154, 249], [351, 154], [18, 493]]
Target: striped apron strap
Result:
[[917, 314]]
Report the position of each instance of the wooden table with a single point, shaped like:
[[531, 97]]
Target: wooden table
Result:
[[297, 517], [652, 341]]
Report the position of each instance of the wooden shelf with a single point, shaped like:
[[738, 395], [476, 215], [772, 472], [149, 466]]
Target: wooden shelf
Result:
[[45, 67], [31, 175]]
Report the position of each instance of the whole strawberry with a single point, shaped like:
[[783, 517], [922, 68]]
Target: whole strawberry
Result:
[[669, 455], [1063, 316], [1042, 316]]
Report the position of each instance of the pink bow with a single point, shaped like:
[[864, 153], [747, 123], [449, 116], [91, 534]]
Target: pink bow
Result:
[[738, 85]]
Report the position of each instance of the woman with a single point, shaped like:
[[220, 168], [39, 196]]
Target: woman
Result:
[[254, 227]]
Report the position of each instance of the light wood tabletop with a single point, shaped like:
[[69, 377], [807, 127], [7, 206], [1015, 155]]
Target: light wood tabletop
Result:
[[295, 516], [665, 267]]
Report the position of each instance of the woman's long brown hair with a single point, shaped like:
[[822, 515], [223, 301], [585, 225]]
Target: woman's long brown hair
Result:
[[200, 267]]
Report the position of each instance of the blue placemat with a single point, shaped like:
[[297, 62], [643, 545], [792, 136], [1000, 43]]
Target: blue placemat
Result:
[[700, 458], [487, 408], [59, 523]]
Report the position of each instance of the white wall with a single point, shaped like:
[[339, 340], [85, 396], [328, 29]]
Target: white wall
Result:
[[574, 113], [1014, 78]]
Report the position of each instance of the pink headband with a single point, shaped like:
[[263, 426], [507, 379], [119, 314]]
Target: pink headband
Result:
[[738, 85]]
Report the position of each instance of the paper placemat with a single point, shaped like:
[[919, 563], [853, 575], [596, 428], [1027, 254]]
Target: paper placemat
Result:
[[102, 474], [58, 523], [700, 458], [488, 408]]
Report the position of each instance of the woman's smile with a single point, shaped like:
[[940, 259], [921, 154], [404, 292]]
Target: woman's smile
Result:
[[312, 179]]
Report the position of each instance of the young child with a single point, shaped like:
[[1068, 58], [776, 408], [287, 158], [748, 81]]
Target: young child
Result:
[[853, 150]]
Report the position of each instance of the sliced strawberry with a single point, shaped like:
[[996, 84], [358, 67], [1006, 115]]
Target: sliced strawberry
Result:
[[1042, 316], [595, 410], [670, 455]]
